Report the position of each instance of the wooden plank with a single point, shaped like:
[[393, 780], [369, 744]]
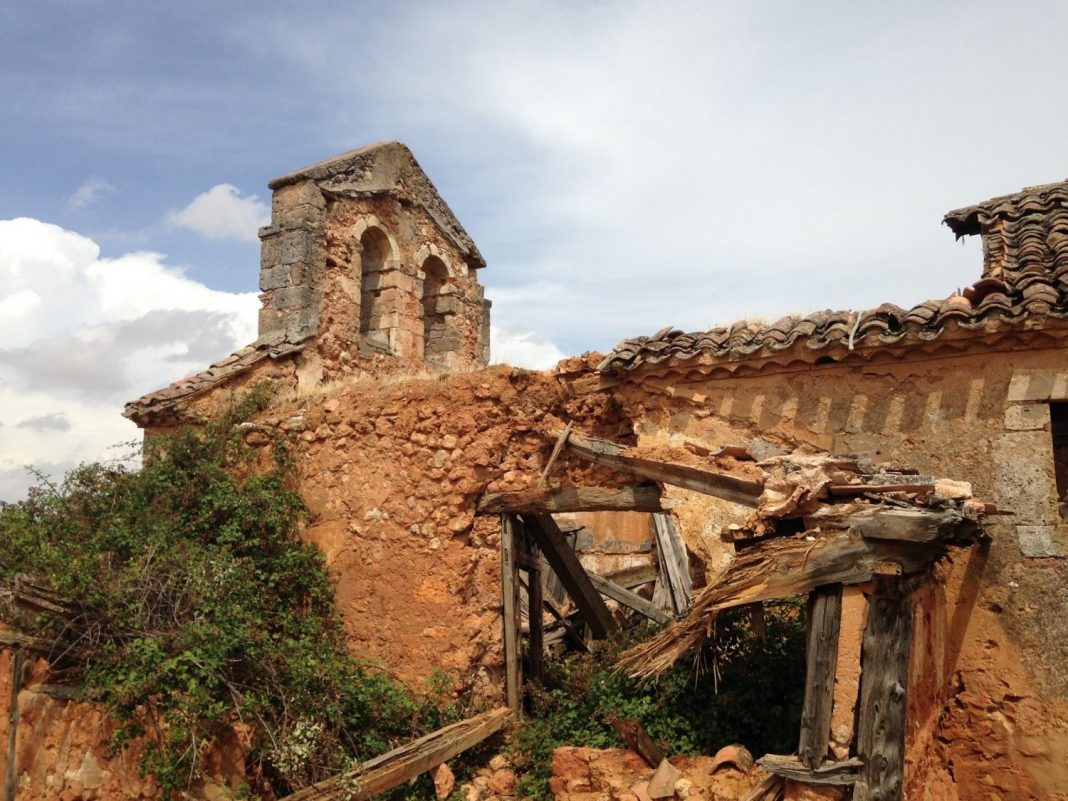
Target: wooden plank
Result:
[[510, 606], [854, 490], [821, 657], [544, 500], [629, 599], [566, 565], [407, 762], [770, 788], [708, 482], [674, 561], [631, 577], [17, 675], [908, 525], [883, 689], [790, 767], [535, 623], [559, 446]]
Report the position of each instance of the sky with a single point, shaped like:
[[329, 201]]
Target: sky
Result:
[[623, 166]]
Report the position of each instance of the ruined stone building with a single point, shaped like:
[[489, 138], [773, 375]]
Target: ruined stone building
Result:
[[374, 336]]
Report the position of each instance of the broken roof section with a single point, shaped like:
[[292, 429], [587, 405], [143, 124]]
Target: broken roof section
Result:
[[1025, 282], [386, 168]]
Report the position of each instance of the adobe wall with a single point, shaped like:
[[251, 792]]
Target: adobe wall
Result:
[[991, 700], [391, 471]]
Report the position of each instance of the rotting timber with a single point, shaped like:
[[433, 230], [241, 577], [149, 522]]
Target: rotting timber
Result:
[[819, 522]]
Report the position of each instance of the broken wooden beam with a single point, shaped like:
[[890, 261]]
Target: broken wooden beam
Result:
[[910, 525], [770, 788], [510, 611], [674, 563], [637, 739], [559, 446], [631, 577], [565, 563], [884, 681], [629, 599], [543, 500], [407, 762], [821, 657], [709, 482], [790, 767]]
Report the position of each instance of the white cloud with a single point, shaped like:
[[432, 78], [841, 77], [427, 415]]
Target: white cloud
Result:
[[523, 349], [223, 213], [99, 332], [88, 193]]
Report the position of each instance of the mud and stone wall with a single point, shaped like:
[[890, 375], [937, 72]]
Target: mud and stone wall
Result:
[[990, 664]]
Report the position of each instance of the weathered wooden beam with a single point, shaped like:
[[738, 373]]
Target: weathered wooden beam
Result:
[[637, 739], [631, 577], [855, 490], [510, 607], [821, 656], [407, 762], [629, 599], [534, 618], [559, 446], [674, 563], [566, 565], [883, 689], [544, 500], [909, 525], [13, 639], [770, 788], [790, 767], [708, 482]]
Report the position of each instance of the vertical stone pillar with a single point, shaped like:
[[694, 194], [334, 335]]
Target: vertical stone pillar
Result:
[[290, 254]]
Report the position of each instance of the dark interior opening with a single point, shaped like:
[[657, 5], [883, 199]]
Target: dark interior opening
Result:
[[1058, 413]]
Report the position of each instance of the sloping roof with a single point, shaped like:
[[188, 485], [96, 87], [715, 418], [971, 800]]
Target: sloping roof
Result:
[[1026, 279], [179, 391], [1024, 232], [386, 168]]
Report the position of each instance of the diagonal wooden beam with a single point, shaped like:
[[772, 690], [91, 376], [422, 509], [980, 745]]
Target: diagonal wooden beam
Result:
[[697, 479], [632, 600], [565, 563], [544, 500]]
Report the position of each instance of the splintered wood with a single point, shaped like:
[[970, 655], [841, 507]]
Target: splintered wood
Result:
[[407, 762]]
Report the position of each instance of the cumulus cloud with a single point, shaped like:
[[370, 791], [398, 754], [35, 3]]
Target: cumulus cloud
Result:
[[84, 333], [522, 349], [88, 193], [223, 213]]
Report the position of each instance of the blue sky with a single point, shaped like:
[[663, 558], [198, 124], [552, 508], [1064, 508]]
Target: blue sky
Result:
[[622, 165]]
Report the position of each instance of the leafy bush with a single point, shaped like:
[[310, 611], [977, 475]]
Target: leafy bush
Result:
[[756, 700], [205, 611]]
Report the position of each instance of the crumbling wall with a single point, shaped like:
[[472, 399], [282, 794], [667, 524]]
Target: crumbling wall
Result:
[[993, 701], [391, 471]]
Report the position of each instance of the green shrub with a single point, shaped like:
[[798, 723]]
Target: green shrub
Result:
[[756, 700], [206, 611]]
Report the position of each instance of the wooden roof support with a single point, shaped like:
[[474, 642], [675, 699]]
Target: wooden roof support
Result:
[[629, 599], [708, 482], [510, 608], [674, 563], [566, 565], [821, 657], [545, 500], [790, 767], [407, 762], [883, 687]]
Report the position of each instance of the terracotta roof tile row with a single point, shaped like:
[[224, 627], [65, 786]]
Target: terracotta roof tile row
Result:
[[1025, 276], [223, 369], [1024, 232], [991, 302]]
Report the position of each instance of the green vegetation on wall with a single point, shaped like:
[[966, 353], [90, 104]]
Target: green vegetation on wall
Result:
[[206, 613]]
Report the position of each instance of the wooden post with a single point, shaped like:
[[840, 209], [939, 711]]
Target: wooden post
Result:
[[17, 669], [821, 657], [534, 617], [566, 565], [674, 563], [510, 604], [883, 687]]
